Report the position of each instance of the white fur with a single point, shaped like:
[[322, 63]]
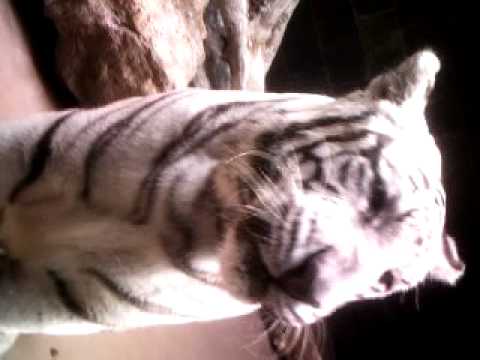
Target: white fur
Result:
[[50, 229]]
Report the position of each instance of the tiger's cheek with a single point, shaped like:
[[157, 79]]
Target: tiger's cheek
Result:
[[242, 272]]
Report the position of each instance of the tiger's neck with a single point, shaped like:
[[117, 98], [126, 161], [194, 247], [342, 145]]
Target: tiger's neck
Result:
[[194, 198], [167, 180]]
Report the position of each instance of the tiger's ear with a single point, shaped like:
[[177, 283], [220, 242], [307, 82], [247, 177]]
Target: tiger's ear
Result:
[[449, 267], [410, 83]]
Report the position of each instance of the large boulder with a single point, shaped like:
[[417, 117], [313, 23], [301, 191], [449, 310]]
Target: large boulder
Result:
[[111, 49]]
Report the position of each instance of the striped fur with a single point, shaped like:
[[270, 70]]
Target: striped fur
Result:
[[197, 205]]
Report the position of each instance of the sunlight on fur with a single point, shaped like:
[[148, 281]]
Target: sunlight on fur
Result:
[[196, 205]]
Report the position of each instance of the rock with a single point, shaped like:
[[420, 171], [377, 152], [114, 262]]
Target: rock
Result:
[[113, 49], [109, 50]]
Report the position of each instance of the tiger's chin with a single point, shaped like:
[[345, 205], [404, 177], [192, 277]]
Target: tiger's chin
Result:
[[249, 283], [246, 277], [293, 312]]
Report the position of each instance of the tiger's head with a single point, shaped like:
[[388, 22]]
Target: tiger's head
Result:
[[345, 205]]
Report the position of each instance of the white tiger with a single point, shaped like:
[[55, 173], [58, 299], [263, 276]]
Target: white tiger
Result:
[[197, 205]]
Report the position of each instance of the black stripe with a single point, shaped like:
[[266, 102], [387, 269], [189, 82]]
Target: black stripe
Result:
[[413, 183], [208, 195], [440, 199], [267, 142], [313, 232], [75, 139], [103, 141], [177, 148], [40, 157], [292, 131], [378, 196], [331, 188], [164, 157], [350, 136], [64, 293], [181, 250], [344, 171], [162, 102], [426, 182], [92, 123], [306, 152], [293, 233], [180, 260], [151, 189], [127, 296], [178, 251], [319, 176], [361, 178]]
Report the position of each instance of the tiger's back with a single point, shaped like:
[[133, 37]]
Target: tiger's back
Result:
[[83, 171]]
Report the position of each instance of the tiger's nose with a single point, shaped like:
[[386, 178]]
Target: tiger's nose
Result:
[[299, 282]]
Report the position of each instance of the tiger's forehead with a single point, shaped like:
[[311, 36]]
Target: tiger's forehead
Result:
[[350, 114], [408, 117]]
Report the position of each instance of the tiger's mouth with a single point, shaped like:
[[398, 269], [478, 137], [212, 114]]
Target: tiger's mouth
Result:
[[289, 294], [292, 297]]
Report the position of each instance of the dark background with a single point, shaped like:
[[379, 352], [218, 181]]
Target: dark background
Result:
[[335, 46]]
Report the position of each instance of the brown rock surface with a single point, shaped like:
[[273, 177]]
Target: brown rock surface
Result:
[[111, 49], [117, 48]]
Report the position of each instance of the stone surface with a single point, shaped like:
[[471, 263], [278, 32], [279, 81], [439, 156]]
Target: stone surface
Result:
[[243, 38], [112, 49]]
